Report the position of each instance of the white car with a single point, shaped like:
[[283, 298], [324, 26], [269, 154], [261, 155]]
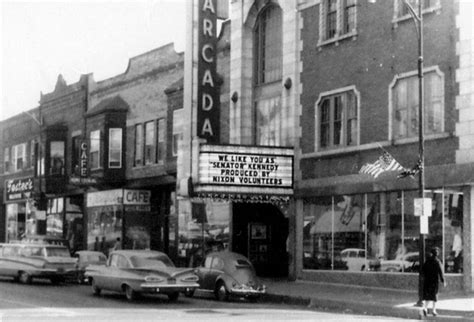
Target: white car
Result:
[[403, 263], [356, 260]]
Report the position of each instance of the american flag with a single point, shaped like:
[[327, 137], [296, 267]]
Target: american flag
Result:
[[384, 163]]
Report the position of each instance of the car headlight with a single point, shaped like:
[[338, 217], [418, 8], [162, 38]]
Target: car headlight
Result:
[[154, 279]]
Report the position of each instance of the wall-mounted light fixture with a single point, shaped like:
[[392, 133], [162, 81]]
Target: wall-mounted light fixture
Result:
[[234, 97], [288, 83]]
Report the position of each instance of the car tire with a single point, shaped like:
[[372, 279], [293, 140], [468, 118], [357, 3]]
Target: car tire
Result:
[[253, 299], [189, 293], [56, 280], [173, 296], [95, 289], [130, 294], [221, 292], [24, 278]]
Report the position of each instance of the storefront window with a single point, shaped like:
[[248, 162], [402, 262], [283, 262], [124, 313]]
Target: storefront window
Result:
[[453, 231], [54, 217], [318, 235], [380, 232], [203, 227], [104, 227]]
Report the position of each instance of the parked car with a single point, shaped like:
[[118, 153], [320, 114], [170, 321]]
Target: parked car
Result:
[[226, 274], [408, 262], [24, 262], [85, 258], [357, 260], [136, 272]]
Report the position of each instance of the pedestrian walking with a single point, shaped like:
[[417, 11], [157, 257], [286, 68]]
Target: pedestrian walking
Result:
[[432, 274]]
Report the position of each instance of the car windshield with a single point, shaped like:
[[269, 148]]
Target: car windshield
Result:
[[57, 252], [151, 261]]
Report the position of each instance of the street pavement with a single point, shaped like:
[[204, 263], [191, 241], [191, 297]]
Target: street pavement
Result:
[[366, 300]]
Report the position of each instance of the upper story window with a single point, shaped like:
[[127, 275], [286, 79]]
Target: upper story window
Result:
[[76, 155], [115, 148], [32, 154], [337, 115], [402, 11], [338, 19], [57, 157], [18, 156], [268, 46], [404, 93], [268, 121], [138, 144], [161, 140], [150, 143], [177, 131], [6, 160], [94, 150]]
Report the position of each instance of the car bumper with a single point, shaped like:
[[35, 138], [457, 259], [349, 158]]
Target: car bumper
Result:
[[246, 292], [166, 288]]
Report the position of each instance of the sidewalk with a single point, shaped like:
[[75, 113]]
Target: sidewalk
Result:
[[364, 300]]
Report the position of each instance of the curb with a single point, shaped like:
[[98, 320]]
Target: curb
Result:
[[363, 308]]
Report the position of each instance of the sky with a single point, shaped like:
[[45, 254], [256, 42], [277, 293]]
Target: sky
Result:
[[42, 39]]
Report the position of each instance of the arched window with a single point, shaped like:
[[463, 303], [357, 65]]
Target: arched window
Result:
[[268, 46], [269, 126]]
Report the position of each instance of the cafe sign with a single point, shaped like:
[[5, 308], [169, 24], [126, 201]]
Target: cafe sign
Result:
[[18, 189], [130, 199], [245, 169]]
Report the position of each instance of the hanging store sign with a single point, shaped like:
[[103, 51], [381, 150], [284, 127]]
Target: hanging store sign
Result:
[[244, 169], [207, 87], [83, 173], [18, 189]]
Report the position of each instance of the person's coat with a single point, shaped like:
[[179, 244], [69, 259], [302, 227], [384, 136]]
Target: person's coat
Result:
[[432, 274]]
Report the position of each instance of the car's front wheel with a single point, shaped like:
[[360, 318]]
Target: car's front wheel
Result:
[[221, 292], [130, 294], [24, 278], [95, 289]]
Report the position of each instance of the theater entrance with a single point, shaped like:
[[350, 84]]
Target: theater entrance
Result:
[[260, 232]]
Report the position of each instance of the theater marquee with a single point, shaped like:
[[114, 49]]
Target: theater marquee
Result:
[[245, 170]]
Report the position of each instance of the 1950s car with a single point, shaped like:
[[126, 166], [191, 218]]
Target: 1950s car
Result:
[[136, 272], [86, 258], [228, 274], [24, 262]]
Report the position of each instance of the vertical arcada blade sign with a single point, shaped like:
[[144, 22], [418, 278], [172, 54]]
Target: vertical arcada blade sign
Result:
[[208, 89]]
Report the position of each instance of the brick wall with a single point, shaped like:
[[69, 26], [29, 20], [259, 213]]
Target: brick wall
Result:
[[370, 61]]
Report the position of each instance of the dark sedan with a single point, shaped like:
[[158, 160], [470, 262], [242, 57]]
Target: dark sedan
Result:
[[228, 274]]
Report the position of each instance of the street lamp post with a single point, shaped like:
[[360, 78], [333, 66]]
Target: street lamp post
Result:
[[418, 20]]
